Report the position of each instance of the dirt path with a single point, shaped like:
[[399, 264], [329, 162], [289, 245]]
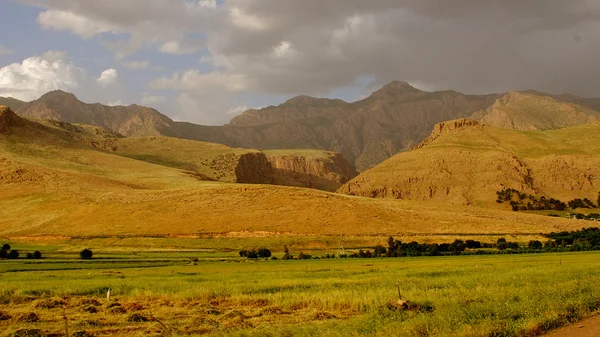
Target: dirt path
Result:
[[587, 328]]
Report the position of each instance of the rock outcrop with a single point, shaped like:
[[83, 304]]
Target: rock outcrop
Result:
[[328, 172]]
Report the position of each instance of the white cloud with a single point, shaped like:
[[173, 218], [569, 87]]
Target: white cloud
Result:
[[194, 81], [80, 25], [37, 75], [116, 103], [108, 77], [5, 51], [138, 65], [152, 100], [178, 48]]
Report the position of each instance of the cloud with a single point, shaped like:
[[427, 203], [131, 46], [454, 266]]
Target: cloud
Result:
[[138, 65], [37, 75], [180, 48], [5, 51], [314, 47], [108, 77], [152, 100]]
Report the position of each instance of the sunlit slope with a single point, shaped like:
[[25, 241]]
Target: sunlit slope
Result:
[[466, 163], [55, 183], [528, 111]]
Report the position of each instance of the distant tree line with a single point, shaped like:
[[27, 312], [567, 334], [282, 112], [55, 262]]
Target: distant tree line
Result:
[[520, 201], [6, 252], [255, 254], [585, 239]]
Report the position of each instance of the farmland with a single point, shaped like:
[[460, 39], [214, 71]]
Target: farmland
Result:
[[213, 292]]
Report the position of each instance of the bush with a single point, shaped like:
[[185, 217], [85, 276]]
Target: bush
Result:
[[264, 252], [535, 244], [86, 254], [303, 256], [286, 253], [6, 247], [13, 254], [35, 255]]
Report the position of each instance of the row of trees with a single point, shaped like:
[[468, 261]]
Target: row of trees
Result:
[[523, 202], [6, 252], [255, 254], [586, 239]]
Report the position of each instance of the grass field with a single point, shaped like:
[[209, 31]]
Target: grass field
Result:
[[471, 296]]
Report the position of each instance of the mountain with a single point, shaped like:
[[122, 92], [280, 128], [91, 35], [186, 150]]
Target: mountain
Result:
[[12, 103], [466, 163], [535, 111], [61, 179], [132, 120], [201, 160], [391, 120]]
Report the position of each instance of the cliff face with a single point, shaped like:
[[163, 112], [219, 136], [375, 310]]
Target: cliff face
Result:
[[254, 168], [327, 173], [443, 128]]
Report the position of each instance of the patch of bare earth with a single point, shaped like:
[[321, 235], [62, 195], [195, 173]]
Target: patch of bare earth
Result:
[[586, 328]]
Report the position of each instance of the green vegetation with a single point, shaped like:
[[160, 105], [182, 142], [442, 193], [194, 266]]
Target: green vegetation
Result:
[[520, 201], [499, 295]]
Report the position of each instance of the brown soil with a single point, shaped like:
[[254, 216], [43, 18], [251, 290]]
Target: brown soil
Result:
[[587, 328]]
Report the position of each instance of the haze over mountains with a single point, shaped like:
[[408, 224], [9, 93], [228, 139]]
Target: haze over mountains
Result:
[[391, 120]]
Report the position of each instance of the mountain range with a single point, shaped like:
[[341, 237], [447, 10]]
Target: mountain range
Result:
[[393, 119]]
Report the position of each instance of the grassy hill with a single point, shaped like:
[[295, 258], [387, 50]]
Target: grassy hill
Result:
[[56, 182], [528, 111], [465, 163]]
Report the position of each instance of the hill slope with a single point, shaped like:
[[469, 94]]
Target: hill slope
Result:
[[54, 182], [465, 163], [200, 160], [527, 111]]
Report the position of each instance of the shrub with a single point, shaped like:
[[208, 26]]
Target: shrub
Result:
[[303, 256], [243, 253], [264, 252], [6, 247], [35, 255], [13, 254], [535, 244], [86, 254], [286, 253], [3, 254]]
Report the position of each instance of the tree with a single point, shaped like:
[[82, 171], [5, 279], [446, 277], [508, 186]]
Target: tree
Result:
[[3, 254], [471, 244], [535, 244], [264, 252], [380, 250], [243, 253], [501, 240], [14, 254], [6, 247], [286, 253], [457, 247], [37, 255], [86, 254]]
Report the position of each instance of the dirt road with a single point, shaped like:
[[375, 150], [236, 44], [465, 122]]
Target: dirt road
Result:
[[587, 328]]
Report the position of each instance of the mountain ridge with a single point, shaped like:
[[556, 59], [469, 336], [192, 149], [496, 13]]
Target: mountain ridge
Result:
[[393, 119]]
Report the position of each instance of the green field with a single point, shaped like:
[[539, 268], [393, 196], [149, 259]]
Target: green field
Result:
[[487, 296]]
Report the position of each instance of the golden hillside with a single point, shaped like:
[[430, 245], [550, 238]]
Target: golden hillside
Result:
[[52, 183], [528, 111], [465, 163]]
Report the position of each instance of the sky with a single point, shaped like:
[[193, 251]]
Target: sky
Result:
[[205, 61]]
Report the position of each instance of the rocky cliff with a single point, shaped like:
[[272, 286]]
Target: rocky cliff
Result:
[[326, 172]]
